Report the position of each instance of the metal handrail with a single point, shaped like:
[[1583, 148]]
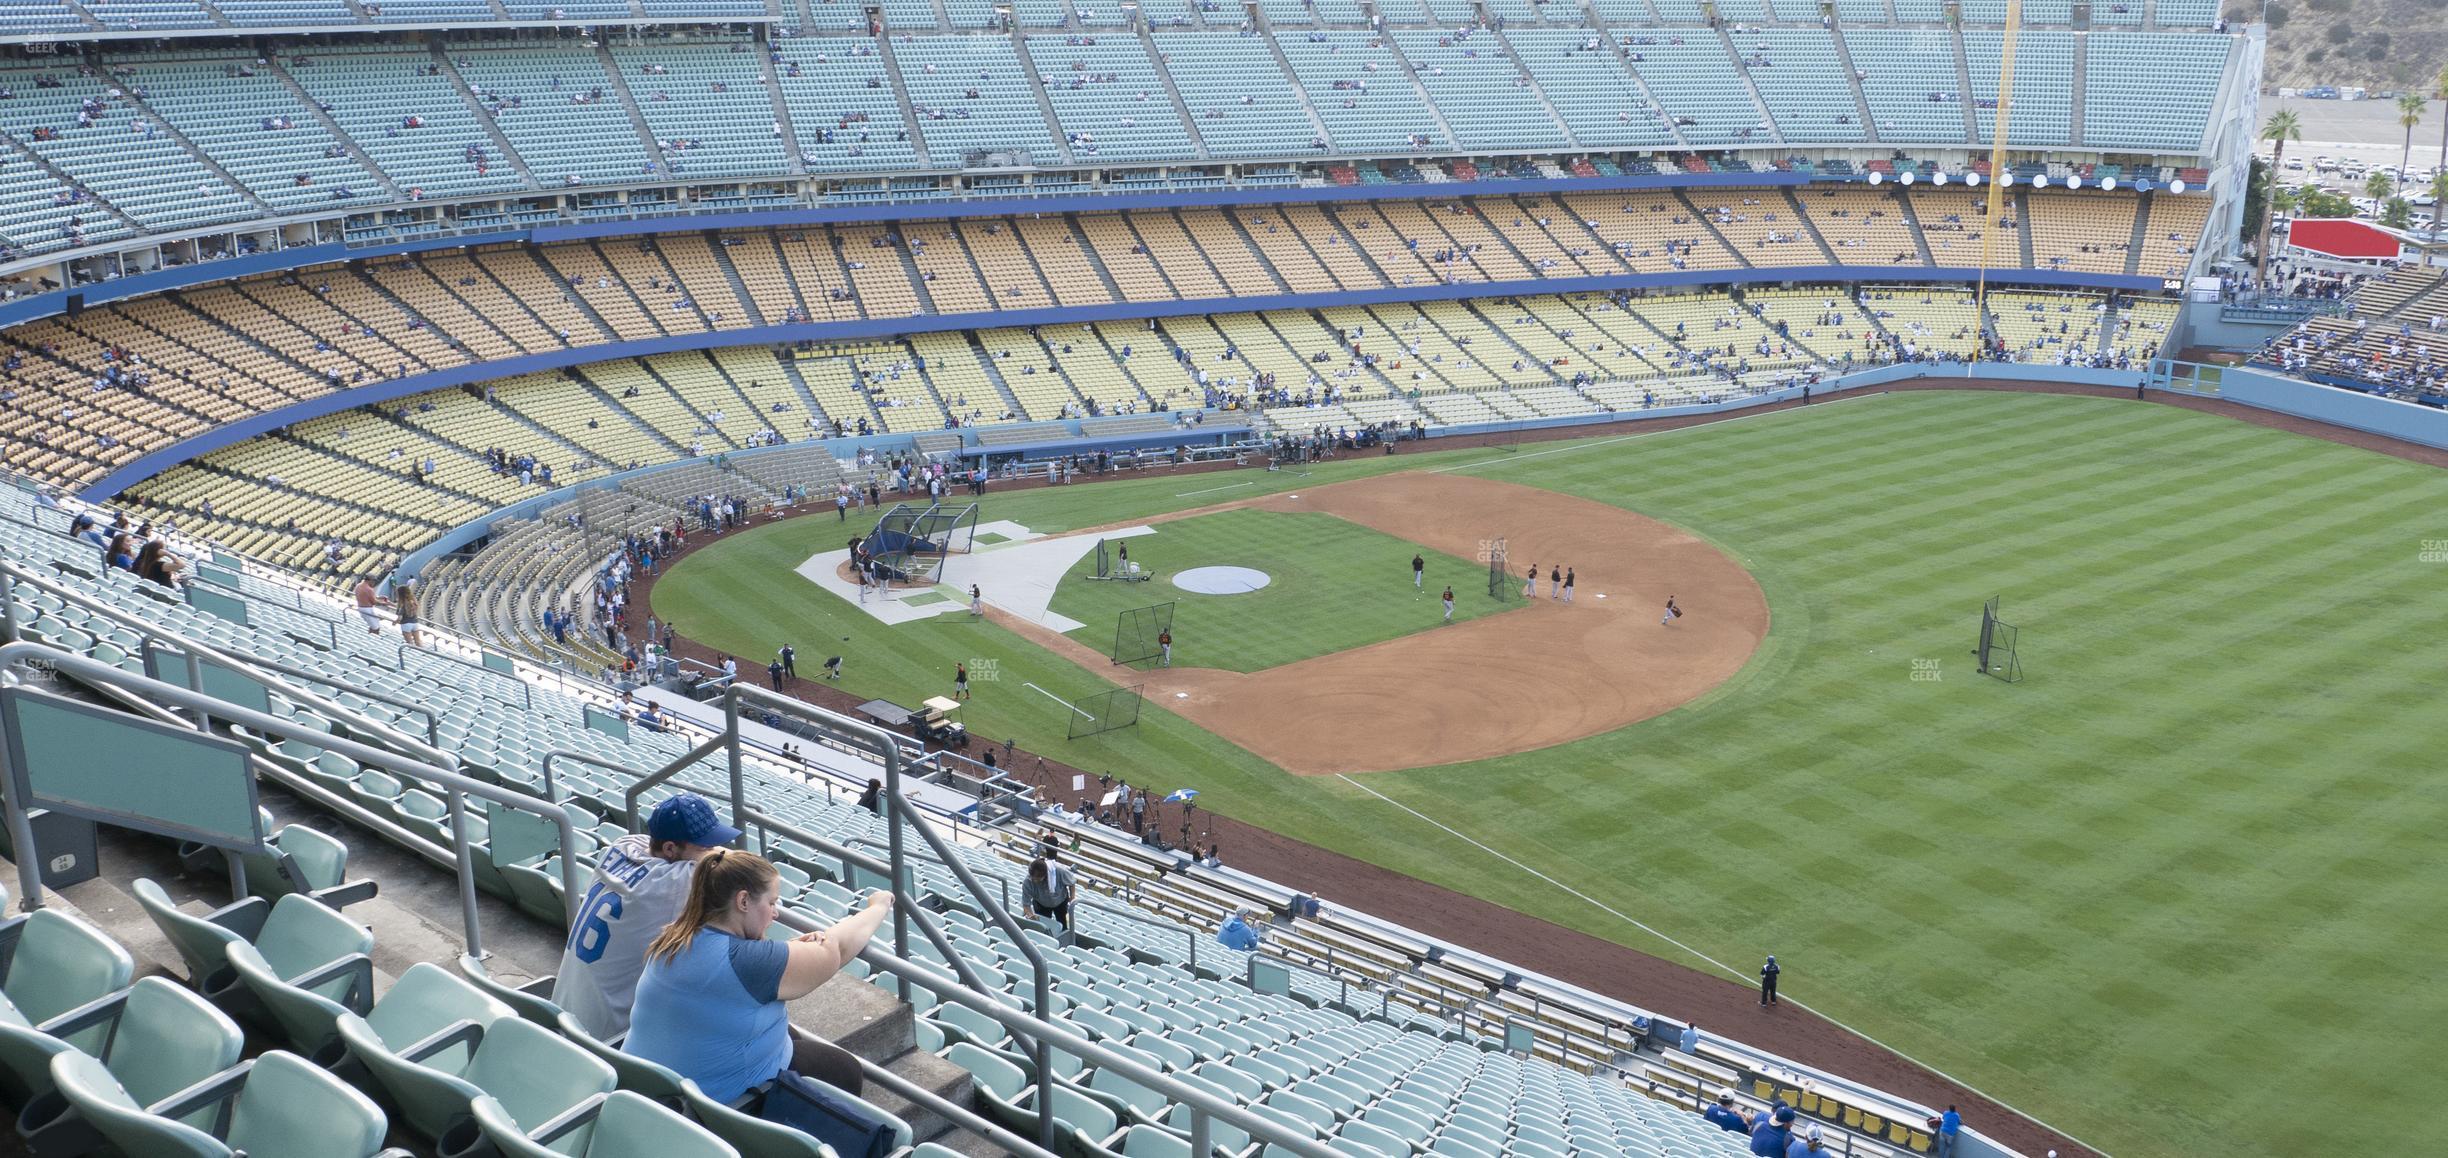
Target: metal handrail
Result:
[[1205, 1107], [12, 572], [433, 719], [901, 815], [458, 787]]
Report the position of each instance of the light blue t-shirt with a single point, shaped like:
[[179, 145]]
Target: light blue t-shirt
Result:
[[713, 1013]]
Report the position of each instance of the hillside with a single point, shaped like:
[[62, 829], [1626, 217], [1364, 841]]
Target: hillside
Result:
[[2379, 44]]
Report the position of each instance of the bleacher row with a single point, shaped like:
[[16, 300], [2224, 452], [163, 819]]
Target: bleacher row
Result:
[[2393, 342], [136, 143], [353, 477], [343, 1055], [211, 355]]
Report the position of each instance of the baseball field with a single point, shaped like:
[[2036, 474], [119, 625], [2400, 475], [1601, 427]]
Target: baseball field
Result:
[[2177, 892]]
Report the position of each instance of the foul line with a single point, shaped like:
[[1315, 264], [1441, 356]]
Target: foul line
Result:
[[1212, 490], [1737, 974], [1650, 434], [1057, 699]]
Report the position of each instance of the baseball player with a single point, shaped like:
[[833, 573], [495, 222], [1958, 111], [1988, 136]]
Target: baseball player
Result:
[[1672, 612], [1419, 572], [1555, 584], [1531, 592], [1448, 604], [1164, 641], [1568, 584], [977, 603], [960, 681]]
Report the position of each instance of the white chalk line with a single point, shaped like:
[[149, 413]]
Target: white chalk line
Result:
[[1650, 434], [1057, 699], [1737, 974], [1212, 490]]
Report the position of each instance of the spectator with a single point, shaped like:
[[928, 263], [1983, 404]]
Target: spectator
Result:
[[1727, 1115], [1950, 1129], [873, 798], [156, 564], [1049, 890], [711, 1003], [1813, 1143], [410, 629], [1773, 1134], [641, 881], [1691, 1039], [122, 552], [1237, 934], [367, 601]]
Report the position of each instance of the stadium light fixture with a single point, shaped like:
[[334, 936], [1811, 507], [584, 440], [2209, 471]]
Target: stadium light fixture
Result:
[[1972, 179], [2176, 186], [1939, 177], [1877, 178], [2108, 183], [1905, 177]]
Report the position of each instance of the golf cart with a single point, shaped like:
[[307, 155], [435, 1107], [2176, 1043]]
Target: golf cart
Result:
[[933, 722]]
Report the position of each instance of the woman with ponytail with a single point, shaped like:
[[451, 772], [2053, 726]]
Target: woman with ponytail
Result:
[[711, 1003]]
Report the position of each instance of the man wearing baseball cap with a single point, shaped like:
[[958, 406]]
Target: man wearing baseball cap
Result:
[[640, 884], [1774, 1133]]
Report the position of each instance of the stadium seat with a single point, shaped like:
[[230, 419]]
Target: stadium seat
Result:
[[620, 1124], [282, 1107], [633, 1073], [535, 1074], [533, 1000], [56, 963], [155, 1038], [752, 1136]]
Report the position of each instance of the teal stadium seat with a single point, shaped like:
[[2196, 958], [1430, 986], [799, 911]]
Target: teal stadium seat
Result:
[[279, 1107], [534, 1074], [620, 1124]]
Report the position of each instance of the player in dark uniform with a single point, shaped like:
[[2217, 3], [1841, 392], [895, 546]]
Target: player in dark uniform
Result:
[[1768, 980]]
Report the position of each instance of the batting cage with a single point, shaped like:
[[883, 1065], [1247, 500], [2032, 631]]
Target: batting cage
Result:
[[1137, 631], [1500, 576], [1103, 713], [1996, 651], [1114, 564], [912, 542]]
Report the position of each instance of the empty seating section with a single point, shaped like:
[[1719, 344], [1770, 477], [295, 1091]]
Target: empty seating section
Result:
[[250, 124], [1803, 83], [1695, 81], [2043, 110], [1861, 226], [560, 111], [1909, 78], [2150, 91], [972, 96], [1484, 93], [1586, 82], [1362, 93], [119, 152], [705, 102], [841, 104], [2093, 234], [1111, 103], [2172, 233], [2188, 13], [409, 118], [430, 11], [1761, 226], [1236, 118]]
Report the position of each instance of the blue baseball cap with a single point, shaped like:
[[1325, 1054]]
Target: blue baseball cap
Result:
[[687, 818]]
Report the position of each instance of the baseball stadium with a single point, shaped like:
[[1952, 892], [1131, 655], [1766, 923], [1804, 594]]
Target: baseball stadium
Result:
[[1462, 578]]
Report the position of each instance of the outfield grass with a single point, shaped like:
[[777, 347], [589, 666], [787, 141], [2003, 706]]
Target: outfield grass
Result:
[[2178, 892], [1316, 565]]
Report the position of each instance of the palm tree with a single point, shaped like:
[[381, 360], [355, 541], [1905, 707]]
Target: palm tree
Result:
[[2409, 114], [2282, 127], [2441, 91]]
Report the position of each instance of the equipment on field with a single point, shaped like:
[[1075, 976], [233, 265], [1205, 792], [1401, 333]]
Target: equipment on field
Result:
[[1138, 633], [1997, 645], [1112, 565], [1500, 579], [1105, 712], [911, 543], [933, 722]]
